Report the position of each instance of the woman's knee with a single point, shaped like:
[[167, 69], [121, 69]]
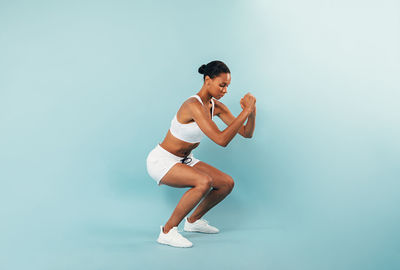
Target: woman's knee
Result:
[[204, 182], [228, 183]]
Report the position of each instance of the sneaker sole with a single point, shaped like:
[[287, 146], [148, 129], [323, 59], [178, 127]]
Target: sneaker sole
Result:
[[200, 231], [169, 244]]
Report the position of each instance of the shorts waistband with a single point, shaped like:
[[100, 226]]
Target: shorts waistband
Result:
[[159, 147]]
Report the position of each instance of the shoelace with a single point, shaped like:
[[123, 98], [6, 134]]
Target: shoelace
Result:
[[181, 237], [178, 230], [202, 220], [205, 221]]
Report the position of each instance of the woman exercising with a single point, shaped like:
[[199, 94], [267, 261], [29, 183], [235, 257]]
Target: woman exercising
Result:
[[172, 162]]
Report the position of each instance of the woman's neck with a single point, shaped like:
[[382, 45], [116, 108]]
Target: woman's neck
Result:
[[204, 95]]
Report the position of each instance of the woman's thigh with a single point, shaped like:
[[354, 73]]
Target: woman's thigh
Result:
[[182, 175], [219, 178]]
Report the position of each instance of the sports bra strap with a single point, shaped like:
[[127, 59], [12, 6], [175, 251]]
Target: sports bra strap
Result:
[[212, 101], [212, 109], [196, 96]]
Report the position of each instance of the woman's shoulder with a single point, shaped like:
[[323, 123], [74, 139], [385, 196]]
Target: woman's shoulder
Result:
[[185, 111]]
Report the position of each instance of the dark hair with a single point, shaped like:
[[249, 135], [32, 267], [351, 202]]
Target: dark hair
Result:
[[213, 69]]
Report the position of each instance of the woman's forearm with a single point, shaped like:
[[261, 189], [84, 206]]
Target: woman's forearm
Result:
[[250, 125], [233, 128]]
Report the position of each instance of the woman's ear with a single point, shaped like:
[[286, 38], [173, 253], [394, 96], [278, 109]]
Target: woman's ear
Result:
[[207, 80]]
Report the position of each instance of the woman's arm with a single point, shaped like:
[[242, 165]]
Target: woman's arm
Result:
[[251, 124], [212, 131], [227, 117]]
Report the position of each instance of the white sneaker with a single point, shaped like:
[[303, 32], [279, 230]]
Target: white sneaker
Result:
[[173, 238], [200, 225]]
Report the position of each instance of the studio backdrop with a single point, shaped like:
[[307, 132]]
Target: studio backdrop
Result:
[[88, 88]]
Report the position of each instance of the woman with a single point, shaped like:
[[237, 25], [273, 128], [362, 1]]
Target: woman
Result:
[[172, 162]]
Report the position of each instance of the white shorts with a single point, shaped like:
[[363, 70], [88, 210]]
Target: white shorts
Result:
[[159, 161]]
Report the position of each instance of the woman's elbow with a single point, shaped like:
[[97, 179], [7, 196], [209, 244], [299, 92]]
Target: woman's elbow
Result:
[[221, 142]]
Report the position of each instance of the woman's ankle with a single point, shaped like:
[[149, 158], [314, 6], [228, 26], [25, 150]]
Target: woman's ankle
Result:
[[191, 219], [166, 229]]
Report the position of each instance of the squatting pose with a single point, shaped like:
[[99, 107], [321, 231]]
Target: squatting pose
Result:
[[172, 162]]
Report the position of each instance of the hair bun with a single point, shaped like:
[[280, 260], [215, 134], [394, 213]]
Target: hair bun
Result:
[[202, 69]]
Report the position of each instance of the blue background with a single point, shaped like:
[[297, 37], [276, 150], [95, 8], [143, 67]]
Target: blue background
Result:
[[88, 88]]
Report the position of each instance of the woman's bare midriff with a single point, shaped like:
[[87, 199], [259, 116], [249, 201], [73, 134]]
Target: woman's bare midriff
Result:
[[176, 146]]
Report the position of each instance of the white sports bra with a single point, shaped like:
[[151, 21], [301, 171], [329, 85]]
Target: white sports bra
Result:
[[190, 132]]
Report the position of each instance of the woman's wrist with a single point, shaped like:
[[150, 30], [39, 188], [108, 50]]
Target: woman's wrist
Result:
[[248, 110]]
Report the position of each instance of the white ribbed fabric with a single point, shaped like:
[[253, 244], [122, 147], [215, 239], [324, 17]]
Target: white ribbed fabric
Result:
[[190, 132]]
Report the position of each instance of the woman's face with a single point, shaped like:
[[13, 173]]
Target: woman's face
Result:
[[219, 85]]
